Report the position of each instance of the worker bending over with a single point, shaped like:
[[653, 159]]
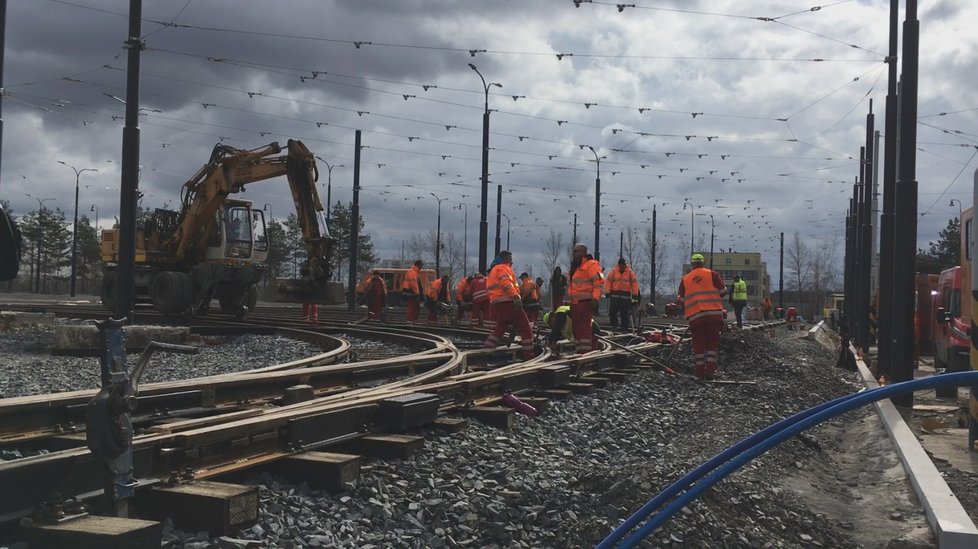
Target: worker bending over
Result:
[[530, 294], [480, 300], [376, 296], [621, 286], [701, 291], [411, 293], [438, 300], [562, 326]]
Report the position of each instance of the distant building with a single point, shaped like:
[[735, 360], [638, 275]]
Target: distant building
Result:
[[748, 265]]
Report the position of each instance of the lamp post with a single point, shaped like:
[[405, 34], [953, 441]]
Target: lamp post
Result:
[[268, 208], [329, 186], [711, 241], [74, 229], [94, 208], [597, 202], [953, 201], [40, 239], [507, 230], [483, 223], [465, 241], [438, 237], [691, 235]]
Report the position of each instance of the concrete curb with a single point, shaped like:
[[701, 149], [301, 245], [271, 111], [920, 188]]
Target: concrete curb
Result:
[[951, 524], [812, 333]]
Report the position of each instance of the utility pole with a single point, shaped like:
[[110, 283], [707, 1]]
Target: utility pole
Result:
[[438, 237], [597, 202], [781, 276], [351, 300], [329, 187], [3, 41], [483, 223], [499, 215], [465, 245], [128, 195], [887, 221], [574, 238], [652, 292]]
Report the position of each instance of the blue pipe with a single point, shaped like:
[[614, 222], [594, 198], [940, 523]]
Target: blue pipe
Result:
[[689, 478], [825, 411]]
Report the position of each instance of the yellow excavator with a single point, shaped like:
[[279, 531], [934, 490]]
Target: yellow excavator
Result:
[[216, 246]]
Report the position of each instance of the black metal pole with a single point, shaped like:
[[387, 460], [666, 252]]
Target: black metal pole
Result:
[[905, 228], [574, 237], [652, 290], [858, 308], [866, 236], [621, 244], [499, 216], [712, 227], [128, 195], [438, 242], [781, 276], [483, 220], [885, 326], [597, 208], [351, 299], [3, 41], [74, 239]]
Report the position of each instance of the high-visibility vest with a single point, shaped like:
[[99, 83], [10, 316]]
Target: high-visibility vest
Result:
[[501, 284], [478, 288], [621, 284], [701, 297], [740, 290], [585, 282], [434, 289], [528, 291], [410, 284]]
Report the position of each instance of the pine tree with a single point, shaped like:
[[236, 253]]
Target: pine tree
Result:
[[340, 227]]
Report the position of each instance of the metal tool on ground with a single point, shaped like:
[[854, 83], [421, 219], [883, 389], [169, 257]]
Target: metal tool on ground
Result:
[[654, 362], [675, 347]]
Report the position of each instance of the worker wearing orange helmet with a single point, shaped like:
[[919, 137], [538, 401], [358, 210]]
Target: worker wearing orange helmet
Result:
[[701, 291]]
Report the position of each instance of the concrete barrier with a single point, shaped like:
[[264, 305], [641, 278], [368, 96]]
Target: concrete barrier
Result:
[[73, 338], [11, 320]]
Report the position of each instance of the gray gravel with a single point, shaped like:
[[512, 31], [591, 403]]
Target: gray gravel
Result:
[[567, 478], [29, 368]]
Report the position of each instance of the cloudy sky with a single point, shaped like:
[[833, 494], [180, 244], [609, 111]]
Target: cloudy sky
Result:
[[752, 112]]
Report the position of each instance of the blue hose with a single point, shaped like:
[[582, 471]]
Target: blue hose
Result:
[[810, 418], [701, 471]]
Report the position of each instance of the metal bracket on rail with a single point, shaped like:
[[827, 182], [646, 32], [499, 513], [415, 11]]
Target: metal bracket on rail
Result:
[[108, 417]]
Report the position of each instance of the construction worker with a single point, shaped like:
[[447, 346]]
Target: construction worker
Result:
[[376, 297], [561, 326], [437, 298], [530, 295], [507, 306], [558, 289], [584, 292], [702, 291], [480, 300], [463, 297], [738, 298], [621, 287], [411, 293]]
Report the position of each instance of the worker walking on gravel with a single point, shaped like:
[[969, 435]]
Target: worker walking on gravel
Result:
[[584, 293], [738, 298], [621, 287], [702, 291], [480, 300], [504, 295], [411, 293]]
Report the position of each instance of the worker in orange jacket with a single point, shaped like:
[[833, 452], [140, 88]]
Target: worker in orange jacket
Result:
[[584, 292], [480, 300], [504, 295], [701, 292], [437, 297], [463, 297], [530, 295], [411, 293], [621, 287], [376, 296]]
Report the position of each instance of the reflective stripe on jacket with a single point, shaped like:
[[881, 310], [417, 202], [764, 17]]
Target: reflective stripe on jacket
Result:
[[410, 284], [621, 284], [701, 295], [740, 290], [501, 284], [478, 288], [585, 282], [528, 291], [434, 289], [462, 290]]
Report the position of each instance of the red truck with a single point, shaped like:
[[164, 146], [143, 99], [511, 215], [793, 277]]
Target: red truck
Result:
[[952, 326]]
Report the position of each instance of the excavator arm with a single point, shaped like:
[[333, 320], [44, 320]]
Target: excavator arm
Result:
[[228, 171]]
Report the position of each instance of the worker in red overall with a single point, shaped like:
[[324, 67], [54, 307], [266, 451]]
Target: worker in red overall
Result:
[[701, 292], [480, 300]]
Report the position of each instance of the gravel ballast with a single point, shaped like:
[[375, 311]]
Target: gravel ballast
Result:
[[568, 477]]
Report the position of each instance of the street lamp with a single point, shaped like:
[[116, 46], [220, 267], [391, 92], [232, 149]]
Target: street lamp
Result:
[[268, 208], [40, 239], [597, 202], [483, 223], [953, 200], [711, 238], [74, 230], [691, 236], [438, 237], [507, 231], [94, 208], [329, 186], [465, 244]]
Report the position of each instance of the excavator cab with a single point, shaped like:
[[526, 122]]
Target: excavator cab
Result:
[[239, 235]]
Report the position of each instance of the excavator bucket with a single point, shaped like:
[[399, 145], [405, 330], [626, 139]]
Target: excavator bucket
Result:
[[303, 290]]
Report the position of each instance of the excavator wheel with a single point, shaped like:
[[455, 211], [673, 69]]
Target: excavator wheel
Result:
[[110, 290], [171, 292]]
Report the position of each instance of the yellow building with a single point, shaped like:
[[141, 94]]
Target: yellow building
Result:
[[748, 265]]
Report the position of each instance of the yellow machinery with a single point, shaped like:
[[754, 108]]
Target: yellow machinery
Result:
[[216, 246]]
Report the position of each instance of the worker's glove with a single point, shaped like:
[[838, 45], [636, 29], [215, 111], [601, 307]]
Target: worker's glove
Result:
[[635, 301], [517, 304]]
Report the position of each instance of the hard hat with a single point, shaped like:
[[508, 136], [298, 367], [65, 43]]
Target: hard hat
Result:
[[697, 258], [546, 318]]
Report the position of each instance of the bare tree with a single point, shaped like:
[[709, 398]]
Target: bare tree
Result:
[[798, 262], [823, 271], [553, 251]]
